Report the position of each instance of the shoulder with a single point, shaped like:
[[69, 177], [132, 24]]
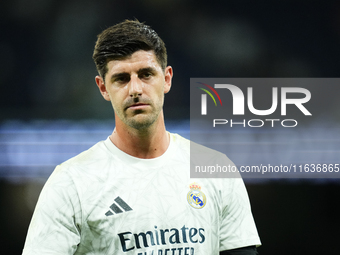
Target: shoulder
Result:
[[96, 152], [86, 163], [191, 146], [203, 154], [209, 163]]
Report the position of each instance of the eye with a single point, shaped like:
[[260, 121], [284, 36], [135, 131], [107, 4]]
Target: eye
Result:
[[121, 79], [146, 75]]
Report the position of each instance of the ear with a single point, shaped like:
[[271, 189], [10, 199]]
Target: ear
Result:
[[102, 88], [168, 73]]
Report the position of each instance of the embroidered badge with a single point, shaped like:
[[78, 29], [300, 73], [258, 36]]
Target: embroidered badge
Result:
[[196, 197]]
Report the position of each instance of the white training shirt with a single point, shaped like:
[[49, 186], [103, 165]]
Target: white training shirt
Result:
[[104, 201]]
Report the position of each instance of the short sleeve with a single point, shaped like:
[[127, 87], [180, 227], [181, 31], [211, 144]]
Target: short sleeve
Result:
[[237, 223], [55, 225]]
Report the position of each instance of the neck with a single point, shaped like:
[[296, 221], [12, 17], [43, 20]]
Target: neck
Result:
[[148, 143]]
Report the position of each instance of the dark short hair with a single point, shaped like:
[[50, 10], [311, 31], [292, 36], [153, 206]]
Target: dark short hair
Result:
[[122, 40]]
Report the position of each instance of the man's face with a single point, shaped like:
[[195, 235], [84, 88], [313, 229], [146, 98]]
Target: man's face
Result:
[[136, 87]]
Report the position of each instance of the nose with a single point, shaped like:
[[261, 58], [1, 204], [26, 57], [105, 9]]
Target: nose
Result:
[[135, 89]]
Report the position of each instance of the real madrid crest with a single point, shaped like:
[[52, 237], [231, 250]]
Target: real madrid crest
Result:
[[196, 197]]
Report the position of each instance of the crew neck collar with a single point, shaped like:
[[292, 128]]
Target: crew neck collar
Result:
[[153, 162]]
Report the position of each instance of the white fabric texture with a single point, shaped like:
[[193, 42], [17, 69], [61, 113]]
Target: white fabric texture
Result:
[[104, 201]]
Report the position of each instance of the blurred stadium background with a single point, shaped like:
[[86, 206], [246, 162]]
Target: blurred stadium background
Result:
[[50, 109]]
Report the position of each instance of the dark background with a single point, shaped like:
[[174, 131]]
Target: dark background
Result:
[[47, 76]]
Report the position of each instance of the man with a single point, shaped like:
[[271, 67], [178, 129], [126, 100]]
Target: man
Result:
[[132, 193]]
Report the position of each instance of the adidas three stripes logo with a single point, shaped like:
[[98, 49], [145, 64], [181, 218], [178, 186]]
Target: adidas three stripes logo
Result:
[[118, 206]]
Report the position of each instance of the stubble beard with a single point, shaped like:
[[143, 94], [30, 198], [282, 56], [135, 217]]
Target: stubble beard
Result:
[[143, 124], [141, 120]]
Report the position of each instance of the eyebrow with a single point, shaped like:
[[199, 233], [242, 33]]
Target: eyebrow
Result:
[[146, 69], [142, 70]]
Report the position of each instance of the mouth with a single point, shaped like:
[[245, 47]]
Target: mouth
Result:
[[137, 106]]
